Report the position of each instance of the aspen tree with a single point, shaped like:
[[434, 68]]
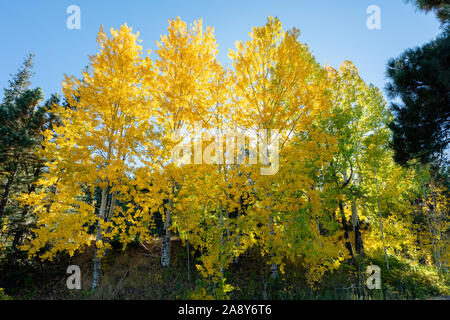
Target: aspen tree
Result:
[[95, 148]]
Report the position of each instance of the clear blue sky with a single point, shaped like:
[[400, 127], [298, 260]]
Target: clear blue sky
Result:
[[334, 30]]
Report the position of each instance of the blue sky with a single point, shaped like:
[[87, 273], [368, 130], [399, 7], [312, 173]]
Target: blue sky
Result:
[[334, 30]]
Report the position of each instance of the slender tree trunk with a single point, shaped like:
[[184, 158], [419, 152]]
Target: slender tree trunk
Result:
[[112, 204], [265, 158], [359, 246], [348, 244], [97, 260], [355, 220], [221, 241], [165, 244]]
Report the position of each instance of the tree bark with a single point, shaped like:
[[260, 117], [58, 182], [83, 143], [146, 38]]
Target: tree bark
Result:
[[221, 240], [359, 246], [97, 260], [348, 244], [165, 244]]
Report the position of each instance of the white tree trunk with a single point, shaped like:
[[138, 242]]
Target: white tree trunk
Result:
[[98, 237], [165, 245]]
